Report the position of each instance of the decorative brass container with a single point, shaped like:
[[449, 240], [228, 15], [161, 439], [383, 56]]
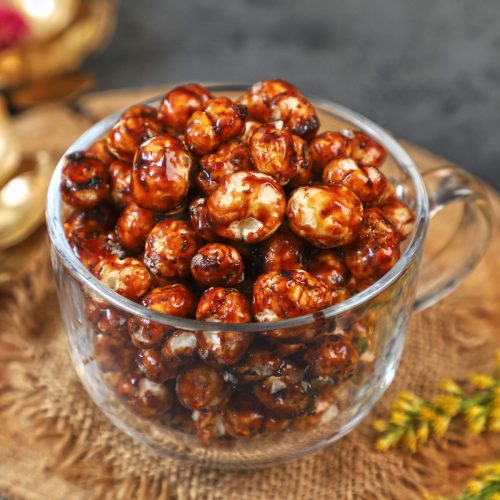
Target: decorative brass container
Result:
[[61, 34]]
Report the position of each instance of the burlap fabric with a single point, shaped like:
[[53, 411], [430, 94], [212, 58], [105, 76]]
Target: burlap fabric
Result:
[[55, 444]]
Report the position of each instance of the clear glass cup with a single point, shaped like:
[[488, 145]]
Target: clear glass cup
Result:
[[375, 320]]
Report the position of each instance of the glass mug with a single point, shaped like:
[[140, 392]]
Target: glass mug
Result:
[[376, 318]]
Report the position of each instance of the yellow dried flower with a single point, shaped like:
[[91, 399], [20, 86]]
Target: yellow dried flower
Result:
[[401, 405], [440, 424], [448, 385], [495, 403], [398, 418], [448, 404], [472, 413], [482, 381], [381, 425], [494, 496], [426, 414], [477, 425], [408, 396], [386, 442], [414, 419], [410, 440], [489, 468], [474, 486], [494, 425], [429, 496], [423, 432]]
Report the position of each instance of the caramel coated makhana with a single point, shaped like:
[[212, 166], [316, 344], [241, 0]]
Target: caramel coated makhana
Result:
[[231, 212]]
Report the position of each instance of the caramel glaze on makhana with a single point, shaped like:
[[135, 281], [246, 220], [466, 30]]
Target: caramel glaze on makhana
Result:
[[231, 212]]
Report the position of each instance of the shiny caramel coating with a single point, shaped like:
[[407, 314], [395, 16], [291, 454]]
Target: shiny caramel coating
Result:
[[273, 152], [368, 183], [401, 217], [223, 348], [129, 133], [284, 250], [280, 295], [324, 411], [160, 175], [367, 151], [243, 417], [331, 357], [120, 175], [326, 216], [376, 250], [151, 363], [329, 266], [297, 114], [303, 174], [178, 418], [100, 150], [258, 97], [250, 127], [180, 348], [200, 222], [146, 398], [292, 336], [111, 353], [209, 426], [97, 220], [230, 157], [157, 281], [223, 305], [285, 350], [107, 320], [180, 103], [217, 264], [129, 277], [252, 258], [273, 425], [389, 194], [356, 285], [285, 395], [140, 111], [248, 206], [91, 246], [219, 120], [201, 387], [329, 146], [375, 225], [127, 382], [175, 300], [150, 399], [84, 180], [169, 248], [133, 226], [260, 362]]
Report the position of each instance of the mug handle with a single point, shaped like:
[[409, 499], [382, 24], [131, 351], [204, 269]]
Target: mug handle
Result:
[[443, 270]]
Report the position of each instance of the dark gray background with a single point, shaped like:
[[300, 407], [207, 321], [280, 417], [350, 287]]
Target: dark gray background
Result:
[[429, 70]]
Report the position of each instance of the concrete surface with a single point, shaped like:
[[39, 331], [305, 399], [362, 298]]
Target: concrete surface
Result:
[[428, 70]]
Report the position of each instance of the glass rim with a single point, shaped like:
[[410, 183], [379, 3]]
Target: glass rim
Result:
[[55, 226]]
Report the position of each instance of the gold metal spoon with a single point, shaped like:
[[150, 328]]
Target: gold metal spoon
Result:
[[22, 200], [10, 152]]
